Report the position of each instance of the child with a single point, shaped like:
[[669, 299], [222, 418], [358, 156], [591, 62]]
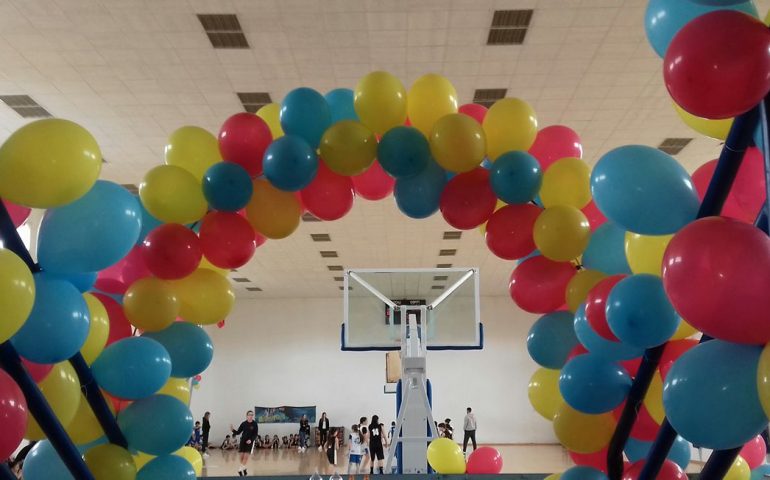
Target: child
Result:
[[266, 442], [285, 442], [275, 442], [332, 445], [228, 443], [356, 451], [391, 432], [441, 430], [448, 429], [195, 438]]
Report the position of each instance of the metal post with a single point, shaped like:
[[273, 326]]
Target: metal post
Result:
[[6, 473]]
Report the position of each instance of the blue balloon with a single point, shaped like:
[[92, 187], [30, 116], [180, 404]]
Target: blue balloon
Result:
[[227, 186], [82, 281], [761, 472], [583, 473], [680, 451], [167, 467], [710, 395], [486, 163], [664, 18], [149, 223], [188, 345], [57, 326], [91, 233], [551, 339], [639, 312], [535, 253], [158, 425], [599, 345], [606, 250], [403, 152], [340, 102], [43, 463], [592, 384], [418, 196], [305, 113], [132, 368], [516, 177], [290, 164], [644, 190]]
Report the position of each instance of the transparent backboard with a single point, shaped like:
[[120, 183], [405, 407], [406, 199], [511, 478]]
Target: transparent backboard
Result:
[[445, 303]]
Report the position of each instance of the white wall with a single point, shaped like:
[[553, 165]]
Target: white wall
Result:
[[278, 352]]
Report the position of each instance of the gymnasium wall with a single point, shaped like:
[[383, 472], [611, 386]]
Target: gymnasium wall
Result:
[[287, 352]]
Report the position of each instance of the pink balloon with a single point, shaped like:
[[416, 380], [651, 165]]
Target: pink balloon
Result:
[[329, 196], [468, 199], [13, 415], [731, 208], [597, 460], [484, 460], [38, 371], [18, 213], [243, 139], [474, 110], [673, 350], [669, 471], [554, 143], [754, 452], [259, 238], [509, 231], [595, 218], [117, 278], [374, 183], [538, 285]]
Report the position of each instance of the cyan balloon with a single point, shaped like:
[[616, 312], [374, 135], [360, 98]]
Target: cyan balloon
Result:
[[43, 463], [57, 326], [188, 345], [158, 425], [761, 472], [639, 312], [132, 368], [418, 196], [149, 223], [637, 450], [592, 384], [486, 163], [516, 177], [290, 164], [403, 152], [551, 339], [340, 102], [583, 473], [644, 190], [535, 253], [167, 467], [305, 113], [710, 395], [598, 345], [664, 18], [227, 186], [82, 281], [91, 233], [606, 250]]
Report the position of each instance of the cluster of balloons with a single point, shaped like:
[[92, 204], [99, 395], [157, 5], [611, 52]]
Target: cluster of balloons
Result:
[[446, 458]]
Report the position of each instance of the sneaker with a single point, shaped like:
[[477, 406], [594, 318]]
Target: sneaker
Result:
[[245, 473], [240, 473]]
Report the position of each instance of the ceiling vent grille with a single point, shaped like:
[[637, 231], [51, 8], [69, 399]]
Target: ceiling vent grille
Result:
[[488, 96], [509, 27], [253, 101], [673, 146], [224, 31], [25, 106]]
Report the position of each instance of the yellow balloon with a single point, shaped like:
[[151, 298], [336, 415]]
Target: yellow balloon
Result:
[[48, 163], [178, 388], [61, 388], [684, 330], [567, 182], [543, 392], [561, 233], [553, 476], [645, 252], [272, 212], [141, 459], [711, 128], [431, 97], [84, 427], [380, 101], [458, 142], [581, 432], [271, 114], [348, 148], [767, 18], [98, 329], [445, 456], [739, 470], [763, 379], [172, 195], [579, 286], [205, 297], [150, 304], [194, 149], [110, 462], [653, 400], [194, 457], [17, 293], [210, 266], [510, 124]]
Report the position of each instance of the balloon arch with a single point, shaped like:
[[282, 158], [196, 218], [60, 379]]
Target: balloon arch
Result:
[[614, 258]]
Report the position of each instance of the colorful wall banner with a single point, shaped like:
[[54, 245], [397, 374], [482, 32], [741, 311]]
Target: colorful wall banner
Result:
[[284, 414]]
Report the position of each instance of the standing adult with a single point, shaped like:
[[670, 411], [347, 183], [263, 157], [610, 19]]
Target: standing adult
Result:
[[323, 430], [248, 431], [304, 433], [469, 425], [206, 429], [376, 433]]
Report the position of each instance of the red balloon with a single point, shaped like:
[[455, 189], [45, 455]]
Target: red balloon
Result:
[[754, 452], [597, 460], [374, 183], [329, 196], [538, 284], [13, 415], [227, 239], [718, 65], [172, 251], [668, 471], [243, 139], [117, 404], [110, 280], [731, 208], [119, 326], [578, 349], [554, 143], [631, 366], [595, 303], [38, 371], [673, 350], [468, 200], [18, 213], [749, 186], [595, 218], [484, 460], [509, 231], [644, 428], [715, 272], [259, 239], [474, 110]]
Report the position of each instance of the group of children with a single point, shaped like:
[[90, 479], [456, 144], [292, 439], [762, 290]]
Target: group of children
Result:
[[366, 446]]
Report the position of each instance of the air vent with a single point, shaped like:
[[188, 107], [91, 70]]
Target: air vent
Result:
[[437, 287], [672, 146], [329, 254], [321, 237], [254, 289], [443, 265], [224, 31], [241, 280], [452, 235], [253, 101], [131, 188], [334, 268], [343, 288], [509, 27], [308, 217], [25, 106], [447, 252], [440, 278], [488, 96], [339, 279]]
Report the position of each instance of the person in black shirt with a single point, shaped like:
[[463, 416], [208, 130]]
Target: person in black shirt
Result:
[[304, 433], [375, 444], [249, 431], [206, 428], [323, 429]]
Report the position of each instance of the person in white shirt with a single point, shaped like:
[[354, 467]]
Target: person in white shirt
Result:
[[469, 425], [356, 450]]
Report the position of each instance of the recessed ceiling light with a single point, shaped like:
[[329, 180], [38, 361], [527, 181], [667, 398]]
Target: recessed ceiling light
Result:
[[329, 254], [339, 279], [437, 287]]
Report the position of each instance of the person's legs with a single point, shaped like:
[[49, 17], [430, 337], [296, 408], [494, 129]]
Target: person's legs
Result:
[[466, 437], [205, 443], [473, 438], [301, 440]]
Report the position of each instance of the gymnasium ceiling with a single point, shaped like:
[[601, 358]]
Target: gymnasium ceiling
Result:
[[133, 71]]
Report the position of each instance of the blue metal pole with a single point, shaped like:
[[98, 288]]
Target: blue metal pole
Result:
[[6, 473]]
